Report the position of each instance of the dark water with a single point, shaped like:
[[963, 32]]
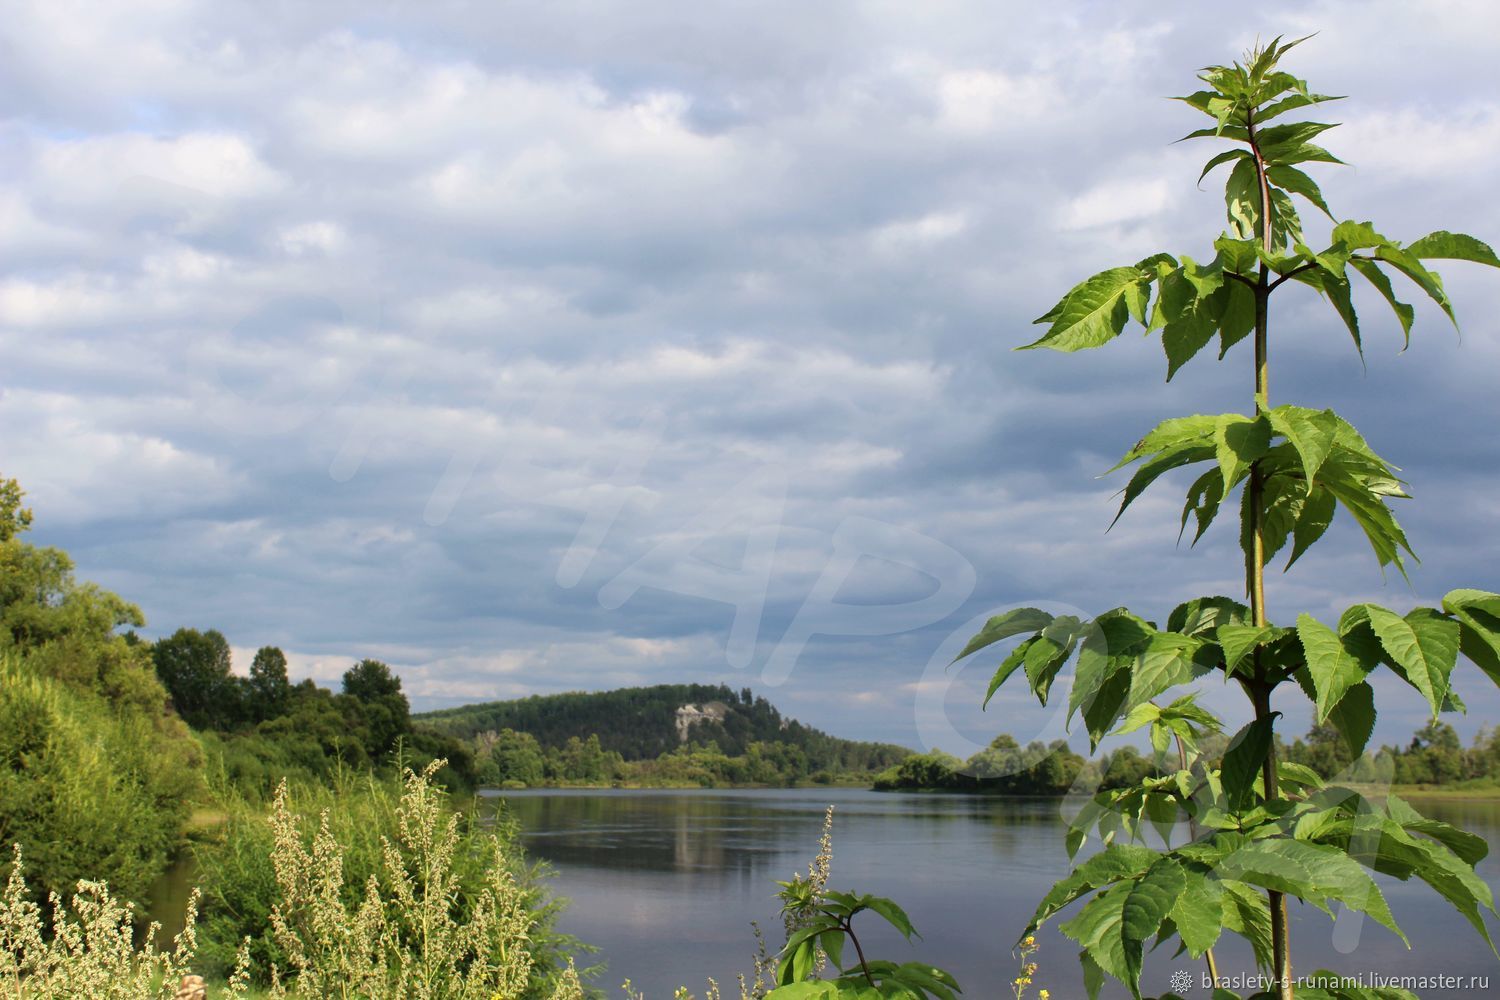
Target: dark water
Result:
[[666, 884]]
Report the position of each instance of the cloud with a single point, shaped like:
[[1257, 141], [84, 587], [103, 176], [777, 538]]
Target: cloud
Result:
[[406, 333]]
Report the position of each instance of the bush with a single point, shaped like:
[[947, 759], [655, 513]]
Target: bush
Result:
[[440, 914], [360, 820], [89, 789]]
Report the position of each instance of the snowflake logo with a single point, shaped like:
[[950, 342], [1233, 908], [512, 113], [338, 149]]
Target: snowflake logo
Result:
[[1181, 981]]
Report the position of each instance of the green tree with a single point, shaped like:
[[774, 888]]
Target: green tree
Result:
[[511, 757], [1325, 750], [195, 667], [270, 690], [1288, 470], [385, 711], [14, 518], [94, 776]]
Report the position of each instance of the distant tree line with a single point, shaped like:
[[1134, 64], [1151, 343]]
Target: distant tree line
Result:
[[510, 759], [640, 725], [1434, 756]]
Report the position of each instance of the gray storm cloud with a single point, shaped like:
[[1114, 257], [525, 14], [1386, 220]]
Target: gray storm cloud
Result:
[[569, 346]]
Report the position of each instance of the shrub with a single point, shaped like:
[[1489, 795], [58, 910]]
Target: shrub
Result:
[[88, 789], [441, 916], [360, 819]]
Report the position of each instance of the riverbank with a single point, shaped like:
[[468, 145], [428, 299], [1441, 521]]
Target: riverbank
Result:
[[858, 782]]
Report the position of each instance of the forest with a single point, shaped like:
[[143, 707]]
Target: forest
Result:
[[635, 736]]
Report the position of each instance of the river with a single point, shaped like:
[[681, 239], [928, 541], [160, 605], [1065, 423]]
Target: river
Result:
[[666, 883]]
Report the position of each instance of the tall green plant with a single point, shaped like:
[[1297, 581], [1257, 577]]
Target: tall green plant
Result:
[[1262, 829]]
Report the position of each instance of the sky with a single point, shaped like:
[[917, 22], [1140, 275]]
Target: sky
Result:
[[536, 347]]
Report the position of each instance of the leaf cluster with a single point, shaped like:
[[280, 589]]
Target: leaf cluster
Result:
[[824, 924]]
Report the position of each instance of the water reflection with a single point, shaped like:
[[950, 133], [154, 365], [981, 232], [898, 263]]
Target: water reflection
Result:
[[666, 883]]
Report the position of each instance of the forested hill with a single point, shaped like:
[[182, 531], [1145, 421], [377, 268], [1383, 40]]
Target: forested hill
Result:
[[643, 723]]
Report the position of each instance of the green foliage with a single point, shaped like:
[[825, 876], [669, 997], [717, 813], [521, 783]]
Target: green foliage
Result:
[[824, 920], [386, 711], [95, 778], [269, 690], [1002, 768], [356, 816], [89, 790], [195, 668], [641, 725], [394, 898], [14, 518], [1260, 828]]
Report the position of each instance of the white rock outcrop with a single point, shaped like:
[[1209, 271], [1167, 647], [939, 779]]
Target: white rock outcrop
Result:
[[689, 716]]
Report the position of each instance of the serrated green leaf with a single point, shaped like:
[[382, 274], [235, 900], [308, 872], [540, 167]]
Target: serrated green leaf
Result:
[[1478, 614], [1202, 503], [832, 943], [1469, 847], [1137, 298], [1113, 864], [893, 914], [1311, 432], [1200, 616], [1198, 912], [1292, 103], [1096, 928], [1375, 276], [1426, 280], [1174, 457], [1047, 655], [1222, 158], [1016, 622], [1335, 662], [1298, 774], [1351, 487], [1295, 181], [1007, 667], [1174, 432], [1101, 711], [1424, 644], [1293, 134], [1242, 200], [1147, 904], [1238, 318], [1354, 717], [1239, 641], [1108, 644], [1238, 255], [1358, 235], [1168, 660], [1190, 313], [1286, 224], [1243, 762], [1453, 246], [1334, 875], [1092, 314], [1246, 914], [1238, 442], [1312, 521], [1093, 976]]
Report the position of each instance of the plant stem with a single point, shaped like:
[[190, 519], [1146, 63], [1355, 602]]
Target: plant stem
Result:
[[1260, 688], [860, 952]]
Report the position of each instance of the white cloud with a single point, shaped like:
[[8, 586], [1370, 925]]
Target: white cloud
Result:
[[1117, 201], [343, 323]]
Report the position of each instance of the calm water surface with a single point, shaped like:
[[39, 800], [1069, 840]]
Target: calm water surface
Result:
[[667, 882]]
